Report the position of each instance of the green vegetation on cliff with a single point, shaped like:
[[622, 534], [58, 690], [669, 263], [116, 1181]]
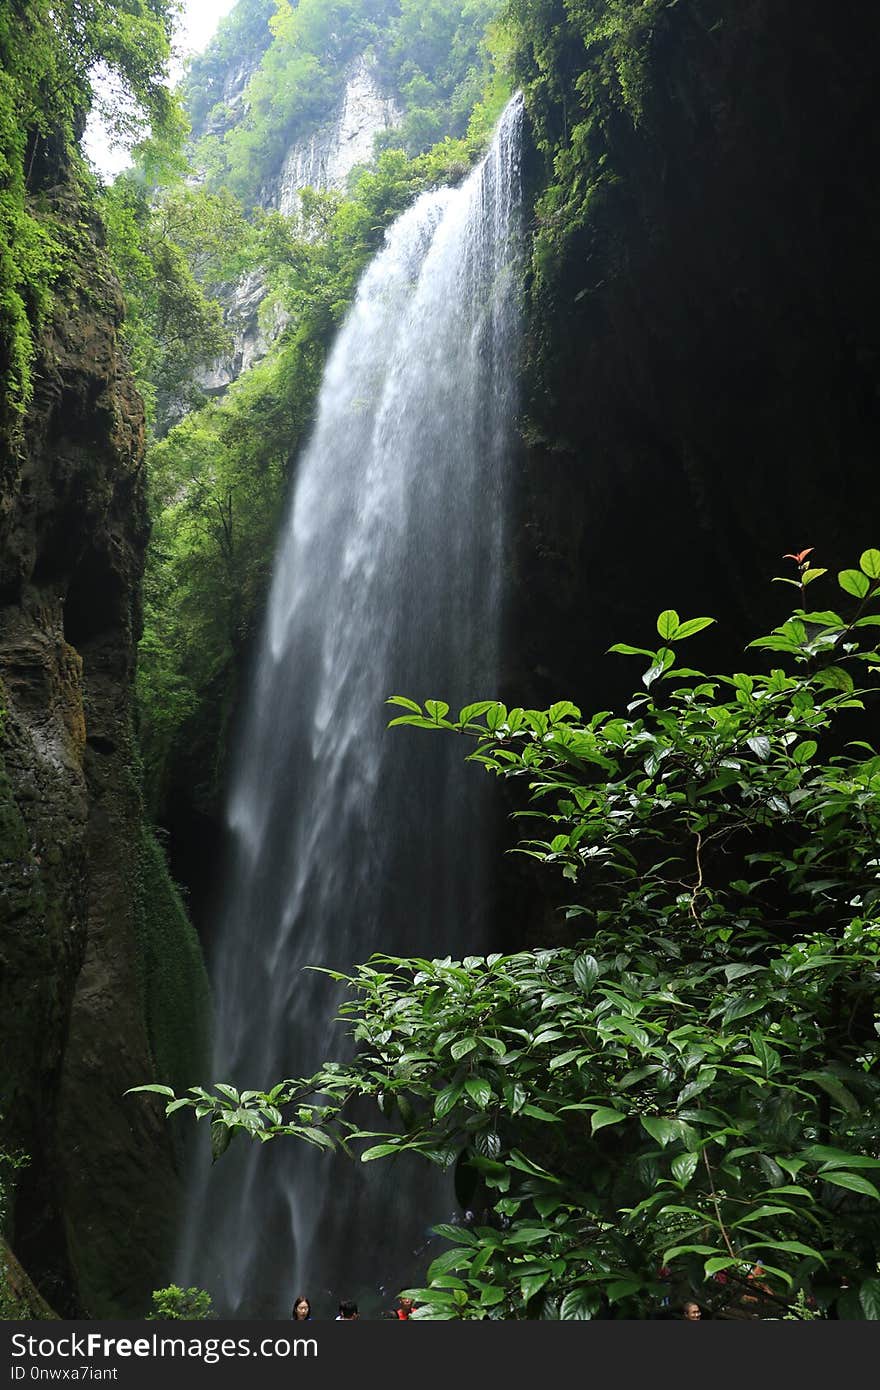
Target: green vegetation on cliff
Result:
[[431, 55], [47, 53]]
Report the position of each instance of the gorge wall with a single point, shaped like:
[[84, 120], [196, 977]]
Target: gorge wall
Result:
[[704, 345], [322, 160], [75, 982]]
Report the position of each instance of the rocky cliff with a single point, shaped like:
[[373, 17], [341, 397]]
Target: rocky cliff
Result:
[[703, 352], [324, 159], [92, 1209], [703, 355], [321, 160]]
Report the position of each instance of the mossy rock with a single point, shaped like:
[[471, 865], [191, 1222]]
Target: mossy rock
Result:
[[20, 1300]]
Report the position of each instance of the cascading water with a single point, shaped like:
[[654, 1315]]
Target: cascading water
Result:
[[350, 839]]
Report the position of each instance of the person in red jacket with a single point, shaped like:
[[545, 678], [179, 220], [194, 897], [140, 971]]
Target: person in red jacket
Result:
[[405, 1308]]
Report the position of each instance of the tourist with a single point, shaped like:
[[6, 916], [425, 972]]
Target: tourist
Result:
[[691, 1312], [302, 1309], [347, 1311], [405, 1308]]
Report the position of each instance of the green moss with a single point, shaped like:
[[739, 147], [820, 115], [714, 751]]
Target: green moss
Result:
[[176, 994]]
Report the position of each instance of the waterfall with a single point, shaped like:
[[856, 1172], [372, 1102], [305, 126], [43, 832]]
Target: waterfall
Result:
[[349, 838]]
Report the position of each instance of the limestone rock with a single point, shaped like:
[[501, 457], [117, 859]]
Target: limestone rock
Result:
[[326, 158], [322, 161]]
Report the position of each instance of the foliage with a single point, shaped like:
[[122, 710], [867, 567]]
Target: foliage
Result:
[[585, 67], [241, 38], [187, 1305], [165, 250], [434, 55], [47, 52], [691, 1090]]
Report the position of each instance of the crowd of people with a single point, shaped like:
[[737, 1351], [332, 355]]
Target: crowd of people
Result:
[[348, 1310]]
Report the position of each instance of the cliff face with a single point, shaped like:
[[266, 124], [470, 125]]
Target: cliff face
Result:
[[704, 345], [325, 159], [322, 160], [73, 533], [703, 342]]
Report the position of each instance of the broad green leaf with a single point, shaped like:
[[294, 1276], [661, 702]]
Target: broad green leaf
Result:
[[854, 582], [378, 1151], [684, 1167], [760, 746], [579, 1304], [771, 1170], [563, 709], [839, 1158], [718, 1263], [870, 563], [525, 1165], [741, 1007], [157, 1090], [804, 751], [675, 1250], [586, 972], [179, 1104], [563, 1058], [869, 1291], [761, 1213], [479, 1091], [667, 624], [416, 721], [450, 1259], [315, 1136], [221, 1138], [404, 702], [435, 1296], [605, 1116], [461, 1234], [528, 1235], [853, 1181], [691, 626], [537, 1113], [462, 1048], [621, 1288], [664, 1131], [533, 1284], [835, 1088], [446, 1100], [470, 712], [792, 1247], [704, 1079]]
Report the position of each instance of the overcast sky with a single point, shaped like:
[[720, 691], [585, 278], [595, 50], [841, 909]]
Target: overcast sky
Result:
[[198, 22]]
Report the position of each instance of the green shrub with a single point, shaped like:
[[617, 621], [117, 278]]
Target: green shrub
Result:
[[693, 1089], [186, 1305]]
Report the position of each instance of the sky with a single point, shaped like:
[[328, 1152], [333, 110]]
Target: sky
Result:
[[198, 22]]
